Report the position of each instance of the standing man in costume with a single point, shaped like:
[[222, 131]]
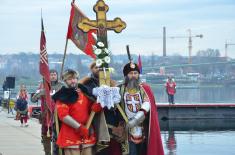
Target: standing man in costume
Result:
[[40, 94], [112, 116], [92, 80], [74, 107], [139, 105]]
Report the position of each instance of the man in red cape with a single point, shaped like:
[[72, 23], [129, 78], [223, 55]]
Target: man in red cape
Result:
[[138, 103], [154, 138]]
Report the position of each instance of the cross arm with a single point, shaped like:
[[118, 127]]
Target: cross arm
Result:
[[117, 25], [87, 24]]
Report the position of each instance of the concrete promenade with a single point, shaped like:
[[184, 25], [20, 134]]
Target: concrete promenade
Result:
[[16, 140]]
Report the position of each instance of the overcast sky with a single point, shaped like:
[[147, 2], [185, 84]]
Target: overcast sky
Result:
[[215, 19]]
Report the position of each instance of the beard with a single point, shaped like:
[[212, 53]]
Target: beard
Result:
[[72, 85], [132, 83], [95, 75], [53, 83]]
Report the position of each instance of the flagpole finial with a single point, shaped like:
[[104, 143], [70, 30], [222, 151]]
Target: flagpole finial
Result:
[[41, 12], [128, 53], [42, 21]]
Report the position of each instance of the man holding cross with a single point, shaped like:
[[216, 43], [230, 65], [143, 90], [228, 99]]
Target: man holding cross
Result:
[[112, 117], [101, 24]]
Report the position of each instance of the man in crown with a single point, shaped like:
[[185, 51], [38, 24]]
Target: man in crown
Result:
[[138, 103]]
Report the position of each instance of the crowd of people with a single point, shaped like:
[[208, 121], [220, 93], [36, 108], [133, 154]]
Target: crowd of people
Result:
[[132, 131], [64, 129]]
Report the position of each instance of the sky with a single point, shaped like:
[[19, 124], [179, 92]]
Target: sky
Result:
[[214, 19]]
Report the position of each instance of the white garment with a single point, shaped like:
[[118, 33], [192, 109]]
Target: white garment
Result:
[[133, 104], [107, 96]]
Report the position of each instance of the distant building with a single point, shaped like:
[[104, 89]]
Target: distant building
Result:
[[193, 76], [3, 63]]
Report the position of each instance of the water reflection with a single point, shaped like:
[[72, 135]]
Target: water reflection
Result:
[[171, 143], [193, 137], [198, 142]]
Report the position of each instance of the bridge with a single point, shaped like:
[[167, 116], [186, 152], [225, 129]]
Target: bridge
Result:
[[191, 65]]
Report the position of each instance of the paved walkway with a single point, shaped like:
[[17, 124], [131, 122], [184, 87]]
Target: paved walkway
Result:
[[16, 140]]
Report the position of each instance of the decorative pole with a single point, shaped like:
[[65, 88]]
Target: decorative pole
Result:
[[101, 24]]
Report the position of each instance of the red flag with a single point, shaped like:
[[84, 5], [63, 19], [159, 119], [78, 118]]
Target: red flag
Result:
[[44, 67], [140, 64], [82, 40]]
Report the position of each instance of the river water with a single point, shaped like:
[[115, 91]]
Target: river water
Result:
[[198, 142], [197, 95], [198, 137]]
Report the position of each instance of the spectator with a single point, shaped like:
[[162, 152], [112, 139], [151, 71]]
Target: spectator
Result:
[[170, 90], [22, 105]]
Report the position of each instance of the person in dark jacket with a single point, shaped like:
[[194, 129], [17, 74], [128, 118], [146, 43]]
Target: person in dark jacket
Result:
[[22, 105]]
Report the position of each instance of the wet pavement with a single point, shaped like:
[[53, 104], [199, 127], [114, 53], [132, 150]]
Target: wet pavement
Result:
[[16, 140]]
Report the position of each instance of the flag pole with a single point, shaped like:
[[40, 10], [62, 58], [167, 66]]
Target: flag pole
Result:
[[61, 73], [65, 51], [41, 13]]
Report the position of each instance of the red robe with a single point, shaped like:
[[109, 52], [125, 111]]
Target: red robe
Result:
[[80, 111], [154, 143]]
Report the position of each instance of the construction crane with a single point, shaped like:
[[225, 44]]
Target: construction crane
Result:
[[190, 46], [226, 48]]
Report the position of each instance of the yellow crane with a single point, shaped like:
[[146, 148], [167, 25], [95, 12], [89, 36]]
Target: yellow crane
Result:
[[226, 48], [190, 46]]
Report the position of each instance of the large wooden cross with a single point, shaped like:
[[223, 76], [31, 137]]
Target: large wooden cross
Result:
[[102, 25]]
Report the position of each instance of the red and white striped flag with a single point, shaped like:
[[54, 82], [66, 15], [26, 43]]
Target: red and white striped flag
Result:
[[44, 68]]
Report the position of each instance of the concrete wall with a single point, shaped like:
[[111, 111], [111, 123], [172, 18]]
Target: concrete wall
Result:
[[196, 112], [196, 117]]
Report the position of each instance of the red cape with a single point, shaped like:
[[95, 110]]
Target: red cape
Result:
[[154, 146]]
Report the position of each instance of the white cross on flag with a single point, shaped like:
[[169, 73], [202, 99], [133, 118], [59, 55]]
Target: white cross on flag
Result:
[[44, 68], [43, 55]]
